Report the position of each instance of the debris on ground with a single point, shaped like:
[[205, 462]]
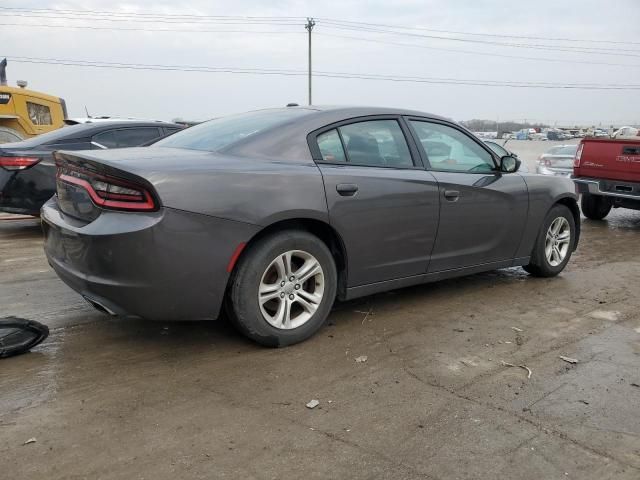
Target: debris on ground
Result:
[[367, 314], [361, 359], [507, 364], [635, 385], [519, 340], [517, 329], [569, 359], [313, 403], [18, 335], [31, 440], [459, 330]]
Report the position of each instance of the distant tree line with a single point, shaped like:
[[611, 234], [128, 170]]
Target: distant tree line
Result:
[[501, 127]]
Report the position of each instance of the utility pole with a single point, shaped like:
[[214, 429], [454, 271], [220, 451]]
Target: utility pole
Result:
[[309, 27]]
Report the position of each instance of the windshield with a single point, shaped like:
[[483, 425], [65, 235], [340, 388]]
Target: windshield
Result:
[[221, 132]]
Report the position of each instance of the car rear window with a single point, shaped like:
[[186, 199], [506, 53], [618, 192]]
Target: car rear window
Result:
[[570, 150], [219, 133]]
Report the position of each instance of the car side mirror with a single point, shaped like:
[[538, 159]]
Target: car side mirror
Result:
[[509, 164]]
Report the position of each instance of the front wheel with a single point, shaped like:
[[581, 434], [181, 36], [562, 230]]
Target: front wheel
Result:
[[283, 288], [595, 207], [554, 244]]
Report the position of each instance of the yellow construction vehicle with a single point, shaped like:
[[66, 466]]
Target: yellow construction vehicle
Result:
[[25, 113]]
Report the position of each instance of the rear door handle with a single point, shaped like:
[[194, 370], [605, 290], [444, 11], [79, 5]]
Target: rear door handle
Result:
[[347, 189], [451, 195]]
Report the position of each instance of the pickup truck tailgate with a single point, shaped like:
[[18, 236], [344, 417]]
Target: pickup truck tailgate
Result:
[[608, 159]]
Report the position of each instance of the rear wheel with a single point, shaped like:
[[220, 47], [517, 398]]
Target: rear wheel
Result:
[[595, 207], [554, 244], [283, 288], [8, 135]]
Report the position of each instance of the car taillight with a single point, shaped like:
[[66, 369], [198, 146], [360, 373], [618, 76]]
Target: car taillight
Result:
[[18, 163], [108, 192], [576, 159]]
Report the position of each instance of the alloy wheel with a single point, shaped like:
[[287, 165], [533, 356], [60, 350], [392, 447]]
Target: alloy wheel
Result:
[[291, 289], [557, 241]]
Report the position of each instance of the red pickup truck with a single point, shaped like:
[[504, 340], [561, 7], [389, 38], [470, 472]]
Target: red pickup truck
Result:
[[607, 174]]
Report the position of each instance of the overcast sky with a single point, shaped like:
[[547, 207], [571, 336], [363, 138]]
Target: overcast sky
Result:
[[196, 95]]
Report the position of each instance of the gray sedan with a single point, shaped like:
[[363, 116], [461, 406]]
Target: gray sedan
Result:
[[274, 214], [557, 161]]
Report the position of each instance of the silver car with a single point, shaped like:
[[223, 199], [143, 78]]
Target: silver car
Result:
[[557, 161]]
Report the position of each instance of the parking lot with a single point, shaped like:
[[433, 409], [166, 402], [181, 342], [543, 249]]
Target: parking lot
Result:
[[435, 398]]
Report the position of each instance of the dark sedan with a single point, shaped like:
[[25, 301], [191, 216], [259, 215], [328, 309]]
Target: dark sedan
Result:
[[275, 213], [27, 169]]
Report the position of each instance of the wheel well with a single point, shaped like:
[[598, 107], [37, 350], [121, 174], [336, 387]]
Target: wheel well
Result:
[[572, 205], [320, 229]]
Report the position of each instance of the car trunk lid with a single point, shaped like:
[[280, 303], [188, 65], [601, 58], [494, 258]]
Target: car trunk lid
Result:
[[146, 169]]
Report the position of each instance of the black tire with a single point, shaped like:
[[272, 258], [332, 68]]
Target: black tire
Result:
[[595, 207], [242, 305], [539, 265], [19, 336]]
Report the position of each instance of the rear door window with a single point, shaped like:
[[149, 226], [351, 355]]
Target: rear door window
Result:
[[104, 140], [330, 147], [376, 143], [134, 137]]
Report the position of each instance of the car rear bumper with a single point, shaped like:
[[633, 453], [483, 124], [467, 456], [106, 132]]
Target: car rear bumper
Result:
[[164, 265], [25, 191], [608, 188]]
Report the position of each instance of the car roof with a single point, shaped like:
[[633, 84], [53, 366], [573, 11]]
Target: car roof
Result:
[[81, 131], [76, 120], [361, 110], [288, 141]]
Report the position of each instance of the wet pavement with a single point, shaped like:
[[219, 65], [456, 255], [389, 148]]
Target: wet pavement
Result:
[[115, 399]]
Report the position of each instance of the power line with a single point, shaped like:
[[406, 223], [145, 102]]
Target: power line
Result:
[[146, 14], [174, 21], [171, 20], [474, 52], [299, 18], [135, 29], [344, 75], [495, 35], [289, 21], [348, 37], [589, 50]]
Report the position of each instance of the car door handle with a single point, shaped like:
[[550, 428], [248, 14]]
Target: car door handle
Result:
[[451, 195], [347, 189]]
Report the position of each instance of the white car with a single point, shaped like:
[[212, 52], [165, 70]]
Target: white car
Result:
[[626, 132]]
